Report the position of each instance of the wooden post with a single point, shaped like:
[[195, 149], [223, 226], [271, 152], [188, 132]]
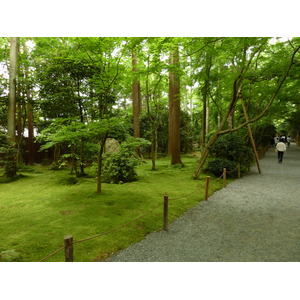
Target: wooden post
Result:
[[251, 137], [224, 177], [68, 248], [239, 170], [207, 187], [166, 212]]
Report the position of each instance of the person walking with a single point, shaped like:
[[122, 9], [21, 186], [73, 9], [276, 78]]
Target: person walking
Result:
[[280, 147], [288, 140]]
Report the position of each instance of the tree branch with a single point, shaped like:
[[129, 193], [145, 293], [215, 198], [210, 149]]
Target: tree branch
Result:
[[270, 102]]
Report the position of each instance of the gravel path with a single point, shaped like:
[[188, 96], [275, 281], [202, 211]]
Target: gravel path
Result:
[[255, 218]]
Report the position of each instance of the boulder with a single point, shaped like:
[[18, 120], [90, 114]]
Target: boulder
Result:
[[111, 146]]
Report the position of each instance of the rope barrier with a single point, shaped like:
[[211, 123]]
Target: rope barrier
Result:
[[98, 235], [184, 196], [51, 254], [232, 170], [136, 219], [115, 229], [218, 177]]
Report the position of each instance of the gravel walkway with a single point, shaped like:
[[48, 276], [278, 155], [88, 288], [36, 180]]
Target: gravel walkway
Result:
[[255, 218]]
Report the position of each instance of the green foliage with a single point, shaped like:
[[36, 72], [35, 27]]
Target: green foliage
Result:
[[3, 148], [263, 133], [217, 165], [186, 132], [161, 120], [294, 123], [8, 153], [233, 147], [78, 140], [120, 166]]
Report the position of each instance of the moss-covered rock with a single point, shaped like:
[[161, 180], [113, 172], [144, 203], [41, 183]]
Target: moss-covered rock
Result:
[[10, 255]]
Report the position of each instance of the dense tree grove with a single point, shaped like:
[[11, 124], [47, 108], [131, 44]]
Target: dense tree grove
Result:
[[180, 94]]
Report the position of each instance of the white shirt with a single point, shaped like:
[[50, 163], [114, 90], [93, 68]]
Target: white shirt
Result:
[[281, 146]]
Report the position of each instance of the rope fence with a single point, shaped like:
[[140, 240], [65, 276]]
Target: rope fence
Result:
[[68, 240], [98, 235]]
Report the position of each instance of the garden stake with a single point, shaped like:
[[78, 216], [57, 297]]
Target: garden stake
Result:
[[224, 177], [206, 187], [68, 248], [166, 211]]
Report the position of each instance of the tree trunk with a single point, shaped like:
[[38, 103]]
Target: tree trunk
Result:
[[74, 160], [100, 161], [81, 159], [174, 109], [11, 166], [54, 165], [136, 102], [30, 130], [82, 173], [205, 95], [154, 144], [231, 120], [29, 109], [170, 124], [11, 117], [205, 152], [20, 130]]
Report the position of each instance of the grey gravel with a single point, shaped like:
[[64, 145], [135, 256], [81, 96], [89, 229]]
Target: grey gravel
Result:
[[255, 218]]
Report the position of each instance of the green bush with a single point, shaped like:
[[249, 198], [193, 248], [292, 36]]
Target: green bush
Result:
[[263, 134], [216, 166], [120, 166], [233, 147]]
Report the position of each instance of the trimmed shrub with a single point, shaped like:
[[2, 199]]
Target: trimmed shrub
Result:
[[233, 147], [120, 167], [216, 166]]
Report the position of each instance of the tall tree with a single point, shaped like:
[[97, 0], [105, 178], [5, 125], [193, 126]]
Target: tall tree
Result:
[[136, 101], [11, 114], [106, 55], [30, 120], [174, 107], [11, 165], [205, 96]]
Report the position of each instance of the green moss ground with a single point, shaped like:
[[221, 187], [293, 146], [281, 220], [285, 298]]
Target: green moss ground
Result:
[[40, 208]]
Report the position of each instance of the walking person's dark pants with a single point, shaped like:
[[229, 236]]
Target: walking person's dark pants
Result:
[[280, 156]]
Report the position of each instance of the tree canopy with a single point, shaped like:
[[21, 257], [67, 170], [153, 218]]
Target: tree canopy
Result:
[[71, 84]]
